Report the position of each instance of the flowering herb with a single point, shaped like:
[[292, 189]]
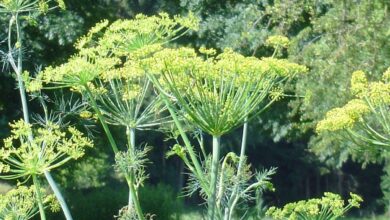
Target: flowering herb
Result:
[[107, 72], [215, 93]]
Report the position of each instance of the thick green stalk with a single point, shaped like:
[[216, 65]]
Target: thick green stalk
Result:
[[18, 70], [134, 197], [232, 204], [129, 178], [214, 176], [198, 168], [102, 120], [22, 90], [131, 139], [39, 197]]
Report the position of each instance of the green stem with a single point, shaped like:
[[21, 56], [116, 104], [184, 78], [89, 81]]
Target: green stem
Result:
[[18, 70], [39, 197], [129, 178], [214, 176], [22, 90], [198, 168], [131, 139], [239, 169], [134, 196], [133, 192], [102, 120], [222, 178]]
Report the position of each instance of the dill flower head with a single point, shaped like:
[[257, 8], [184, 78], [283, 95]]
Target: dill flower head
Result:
[[330, 205], [368, 111], [344, 117], [379, 93], [207, 51], [22, 156], [376, 92], [129, 38], [355, 200], [76, 73], [277, 41], [359, 83], [20, 203], [217, 92]]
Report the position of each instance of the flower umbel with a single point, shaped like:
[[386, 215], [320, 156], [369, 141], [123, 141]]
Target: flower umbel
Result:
[[364, 119], [330, 206], [20, 203], [219, 92], [23, 157]]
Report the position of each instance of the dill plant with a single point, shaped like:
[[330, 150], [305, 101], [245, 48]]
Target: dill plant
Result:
[[364, 120], [218, 93], [114, 71], [30, 157], [106, 72]]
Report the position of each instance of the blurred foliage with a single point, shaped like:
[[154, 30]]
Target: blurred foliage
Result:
[[96, 203], [89, 172], [160, 201], [102, 203]]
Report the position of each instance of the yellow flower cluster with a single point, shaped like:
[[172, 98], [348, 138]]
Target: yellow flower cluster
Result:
[[86, 114], [369, 94], [124, 37], [113, 52], [359, 83], [330, 206], [379, 93], [278, 41], [344, 117], [376, 92], [23, 156], [217, 91], [131, 92], [84, 41], [20, 203], [77, 73], [207, 51], [185, 65]]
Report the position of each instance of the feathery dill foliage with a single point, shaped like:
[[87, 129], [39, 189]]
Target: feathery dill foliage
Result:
[[366, 118], [217, 92], [133, 161], [20, 203], [330, 206], [23, 157]]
